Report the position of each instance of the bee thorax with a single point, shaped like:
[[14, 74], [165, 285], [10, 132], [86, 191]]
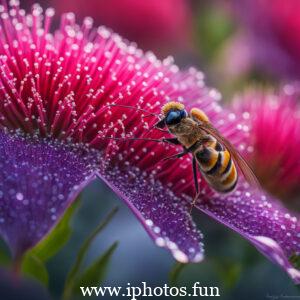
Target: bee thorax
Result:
[[187, 132]]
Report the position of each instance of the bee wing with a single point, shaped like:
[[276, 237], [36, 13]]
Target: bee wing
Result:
[[243, 165]]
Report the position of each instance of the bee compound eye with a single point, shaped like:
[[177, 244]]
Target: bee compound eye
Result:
[[183, 113], [173, 117]]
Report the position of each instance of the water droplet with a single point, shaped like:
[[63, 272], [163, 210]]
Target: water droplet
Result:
[[19, 196]]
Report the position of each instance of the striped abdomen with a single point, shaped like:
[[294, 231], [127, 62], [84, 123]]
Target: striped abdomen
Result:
[[217, 166]]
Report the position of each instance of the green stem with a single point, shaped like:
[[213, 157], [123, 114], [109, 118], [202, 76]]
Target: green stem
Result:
[[16, 267], [175, 273], [69, 284]]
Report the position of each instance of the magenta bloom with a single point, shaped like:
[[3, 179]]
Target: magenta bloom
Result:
[[54, 114], [163, 26], [274, 149], [271, 33]]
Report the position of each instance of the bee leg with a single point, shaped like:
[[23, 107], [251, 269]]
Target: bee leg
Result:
[[177, 155], [173, 141], [161, 124], [162, 130], [195, 174]]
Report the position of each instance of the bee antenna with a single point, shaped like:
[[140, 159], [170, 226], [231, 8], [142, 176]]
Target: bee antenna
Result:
[[147, 116], [162, 130], [132, 139], [142, 110], [135, 108]]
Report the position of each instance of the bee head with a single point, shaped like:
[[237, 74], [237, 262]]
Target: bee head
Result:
[[173, 113]]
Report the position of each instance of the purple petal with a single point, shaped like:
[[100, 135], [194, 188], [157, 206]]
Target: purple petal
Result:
[[272, 229], [165, 216], [271, 249], [38, 181]]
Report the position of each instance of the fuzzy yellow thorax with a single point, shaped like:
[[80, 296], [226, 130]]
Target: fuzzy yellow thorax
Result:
[[171, 105]]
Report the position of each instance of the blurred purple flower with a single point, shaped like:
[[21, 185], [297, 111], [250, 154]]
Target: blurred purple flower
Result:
[[274, 120], [55, 115], [163, 26], [271, 34]]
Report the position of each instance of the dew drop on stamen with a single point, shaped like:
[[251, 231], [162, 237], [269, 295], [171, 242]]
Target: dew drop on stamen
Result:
[[19, 196]]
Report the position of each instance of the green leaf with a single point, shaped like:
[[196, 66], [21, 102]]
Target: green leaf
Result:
[[35, 268], [95, 273], [57, 238], [5, 257], [74, 272], [295, 260], [175, 273], [228, 271]]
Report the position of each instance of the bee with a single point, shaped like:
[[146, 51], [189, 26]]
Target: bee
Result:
[[215, 157]]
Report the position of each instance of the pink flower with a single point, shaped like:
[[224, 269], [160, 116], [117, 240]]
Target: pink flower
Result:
[[56, 113], [271, 30], [163, 26], [275, 125]]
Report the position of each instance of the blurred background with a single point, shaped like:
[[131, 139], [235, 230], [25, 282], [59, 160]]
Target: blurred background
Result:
[[238, 44]]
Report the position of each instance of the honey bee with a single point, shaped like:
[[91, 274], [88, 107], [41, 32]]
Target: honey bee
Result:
[[215, 157]]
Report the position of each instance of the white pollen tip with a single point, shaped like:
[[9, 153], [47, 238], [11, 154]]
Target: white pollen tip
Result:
[[198, 258], [160, 242], [267, 241], [294, 273], [180, 256]]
